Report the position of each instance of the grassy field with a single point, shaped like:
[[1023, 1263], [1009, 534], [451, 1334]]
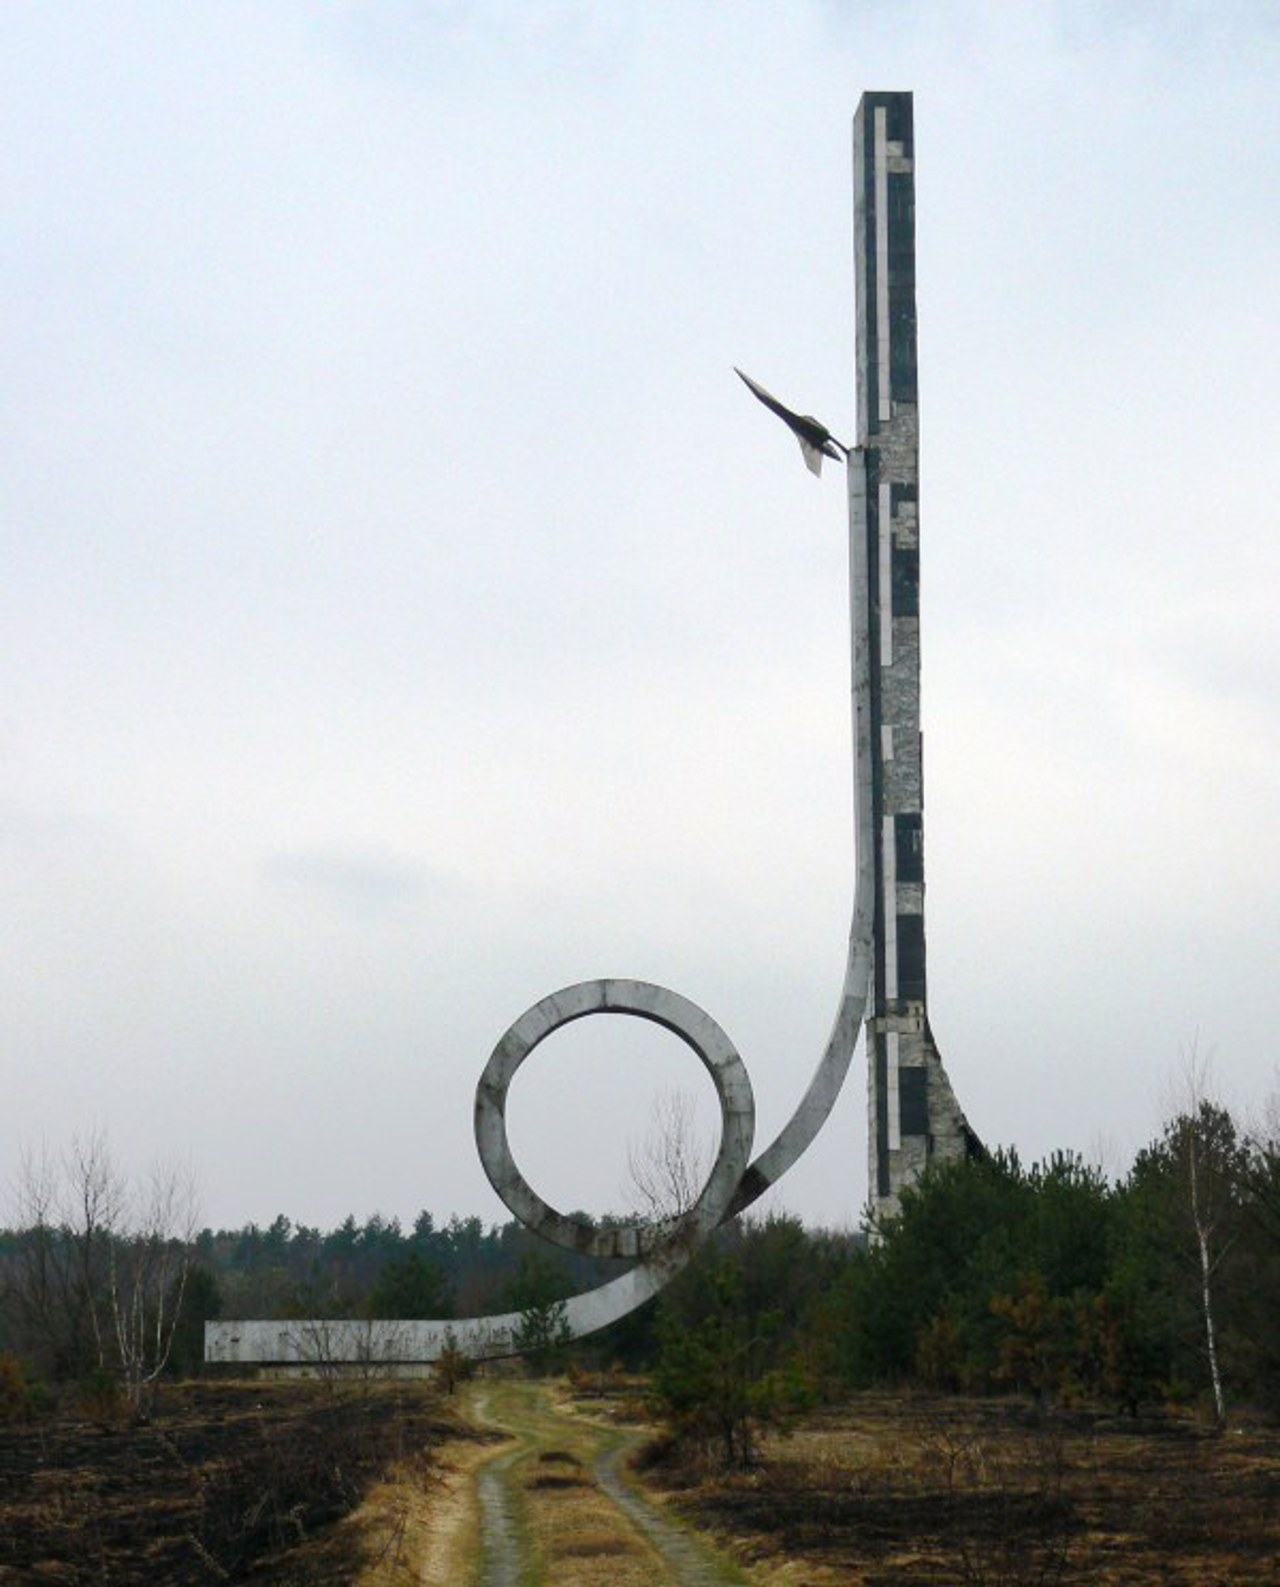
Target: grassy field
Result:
[[381, 1485], [921, 1491]]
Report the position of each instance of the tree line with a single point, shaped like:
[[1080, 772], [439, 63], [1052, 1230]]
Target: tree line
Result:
[[1049, 1280], [105, 1280]]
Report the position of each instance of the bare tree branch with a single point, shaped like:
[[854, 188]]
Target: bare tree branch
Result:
[[93, 1198], [149, 1263], [669, 1167]]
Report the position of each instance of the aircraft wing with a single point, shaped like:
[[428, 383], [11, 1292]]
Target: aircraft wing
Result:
[[814, 438]]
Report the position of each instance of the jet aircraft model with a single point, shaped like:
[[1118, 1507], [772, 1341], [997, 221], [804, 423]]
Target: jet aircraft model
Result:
[[816, 441]]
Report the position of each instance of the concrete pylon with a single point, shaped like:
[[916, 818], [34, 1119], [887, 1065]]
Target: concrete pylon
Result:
[[914, 1118]]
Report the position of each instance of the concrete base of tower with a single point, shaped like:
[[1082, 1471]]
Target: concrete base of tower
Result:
[[915, 1120]]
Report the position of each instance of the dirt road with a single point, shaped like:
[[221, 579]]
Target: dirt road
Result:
[[555, 1507]]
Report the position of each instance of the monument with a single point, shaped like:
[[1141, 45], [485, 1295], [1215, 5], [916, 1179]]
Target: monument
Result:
[[914, 1117]]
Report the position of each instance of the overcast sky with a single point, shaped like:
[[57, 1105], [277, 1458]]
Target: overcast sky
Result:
[[405, 611]]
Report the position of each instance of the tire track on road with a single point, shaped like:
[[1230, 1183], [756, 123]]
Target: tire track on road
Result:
[[659, 1550], [685, 1559], [502, 1564]]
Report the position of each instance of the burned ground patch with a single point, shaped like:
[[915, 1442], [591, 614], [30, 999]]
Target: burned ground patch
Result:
[[931, 1491], [223, 1480]]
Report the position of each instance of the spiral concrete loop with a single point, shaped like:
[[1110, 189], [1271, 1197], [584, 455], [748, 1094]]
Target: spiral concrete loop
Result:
[[717, 1055]]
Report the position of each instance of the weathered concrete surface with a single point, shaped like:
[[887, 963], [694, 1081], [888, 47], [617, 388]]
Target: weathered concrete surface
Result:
[[913, 1115], [645, 1001]]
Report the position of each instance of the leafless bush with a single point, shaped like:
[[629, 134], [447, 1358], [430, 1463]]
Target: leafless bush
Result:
[[302, 1474], [1010, 1521], [351, 1356]]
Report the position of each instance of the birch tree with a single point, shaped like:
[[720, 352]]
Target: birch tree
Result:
[[1188, 1188], [101, 1266], [149, 1260], [1213, 1161]]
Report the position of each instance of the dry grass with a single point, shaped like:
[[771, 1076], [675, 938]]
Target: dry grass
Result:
[[597, 1546], [987, 1494], [233, 1480], [424, 1535], [575, 1534], [555, 1479], [226, 1480]]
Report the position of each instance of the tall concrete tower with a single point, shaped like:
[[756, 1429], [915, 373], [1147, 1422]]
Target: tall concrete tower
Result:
[[914, 1118]]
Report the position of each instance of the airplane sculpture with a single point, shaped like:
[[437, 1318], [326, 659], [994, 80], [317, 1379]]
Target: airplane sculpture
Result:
[[816, 441]]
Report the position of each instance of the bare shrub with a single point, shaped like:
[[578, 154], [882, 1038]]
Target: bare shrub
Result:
[[1011, 1523]]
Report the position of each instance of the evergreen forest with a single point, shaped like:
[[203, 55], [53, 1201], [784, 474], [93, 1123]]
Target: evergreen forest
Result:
[[1050, 1281]]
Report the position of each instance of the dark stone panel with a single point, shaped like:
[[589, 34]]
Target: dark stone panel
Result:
[[879, 1060], [899, 121], [902, 356], [865, 246], [902, 287], [905, 581], [871, 468], [899, 118], [908, 844], [911, 958], [913, 1101], [903, 490], [900, 195], [872, 338], [901, 200], [900, 220]]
